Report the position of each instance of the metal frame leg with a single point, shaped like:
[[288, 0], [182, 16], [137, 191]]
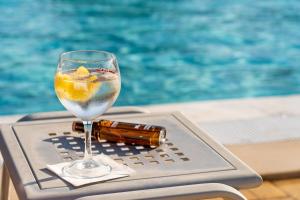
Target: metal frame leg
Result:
[[198, 191], [5, 183]]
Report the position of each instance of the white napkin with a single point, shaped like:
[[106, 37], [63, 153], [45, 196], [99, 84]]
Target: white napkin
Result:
[[118, 171]]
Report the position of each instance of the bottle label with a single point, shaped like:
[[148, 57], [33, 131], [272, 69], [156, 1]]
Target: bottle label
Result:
[[147, 127], [137, 126], [114, 124]]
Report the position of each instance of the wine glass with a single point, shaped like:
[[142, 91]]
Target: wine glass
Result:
[[87, 83]]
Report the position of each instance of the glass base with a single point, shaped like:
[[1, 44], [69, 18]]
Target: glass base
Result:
[[86, 169]]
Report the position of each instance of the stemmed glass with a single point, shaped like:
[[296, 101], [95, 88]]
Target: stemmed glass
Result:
[[87, 83]]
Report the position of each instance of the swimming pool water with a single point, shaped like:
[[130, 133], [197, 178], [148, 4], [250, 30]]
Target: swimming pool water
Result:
[[168, 51]]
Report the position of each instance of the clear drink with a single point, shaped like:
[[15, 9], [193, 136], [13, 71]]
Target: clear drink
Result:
[[89, 93]]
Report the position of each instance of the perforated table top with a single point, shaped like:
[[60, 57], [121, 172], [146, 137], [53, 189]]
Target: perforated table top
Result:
[[189, 156]]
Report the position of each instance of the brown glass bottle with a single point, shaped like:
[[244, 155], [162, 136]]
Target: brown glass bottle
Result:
[[123, 132]]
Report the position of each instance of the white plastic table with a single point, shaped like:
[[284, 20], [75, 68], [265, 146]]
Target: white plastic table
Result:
[[190, 164]]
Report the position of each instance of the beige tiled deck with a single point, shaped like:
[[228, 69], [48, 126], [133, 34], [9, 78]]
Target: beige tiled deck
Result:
[[234, 109], [231, 109], [275, 190]]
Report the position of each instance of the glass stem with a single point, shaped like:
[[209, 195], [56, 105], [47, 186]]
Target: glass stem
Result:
[[88, 142]]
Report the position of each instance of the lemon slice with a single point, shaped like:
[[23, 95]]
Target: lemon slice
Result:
[[77, 86], [62, 82], [82, 72]]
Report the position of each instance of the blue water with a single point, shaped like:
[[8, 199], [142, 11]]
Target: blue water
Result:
[[168, 51]]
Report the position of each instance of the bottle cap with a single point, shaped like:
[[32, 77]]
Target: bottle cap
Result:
[[162, 136]]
